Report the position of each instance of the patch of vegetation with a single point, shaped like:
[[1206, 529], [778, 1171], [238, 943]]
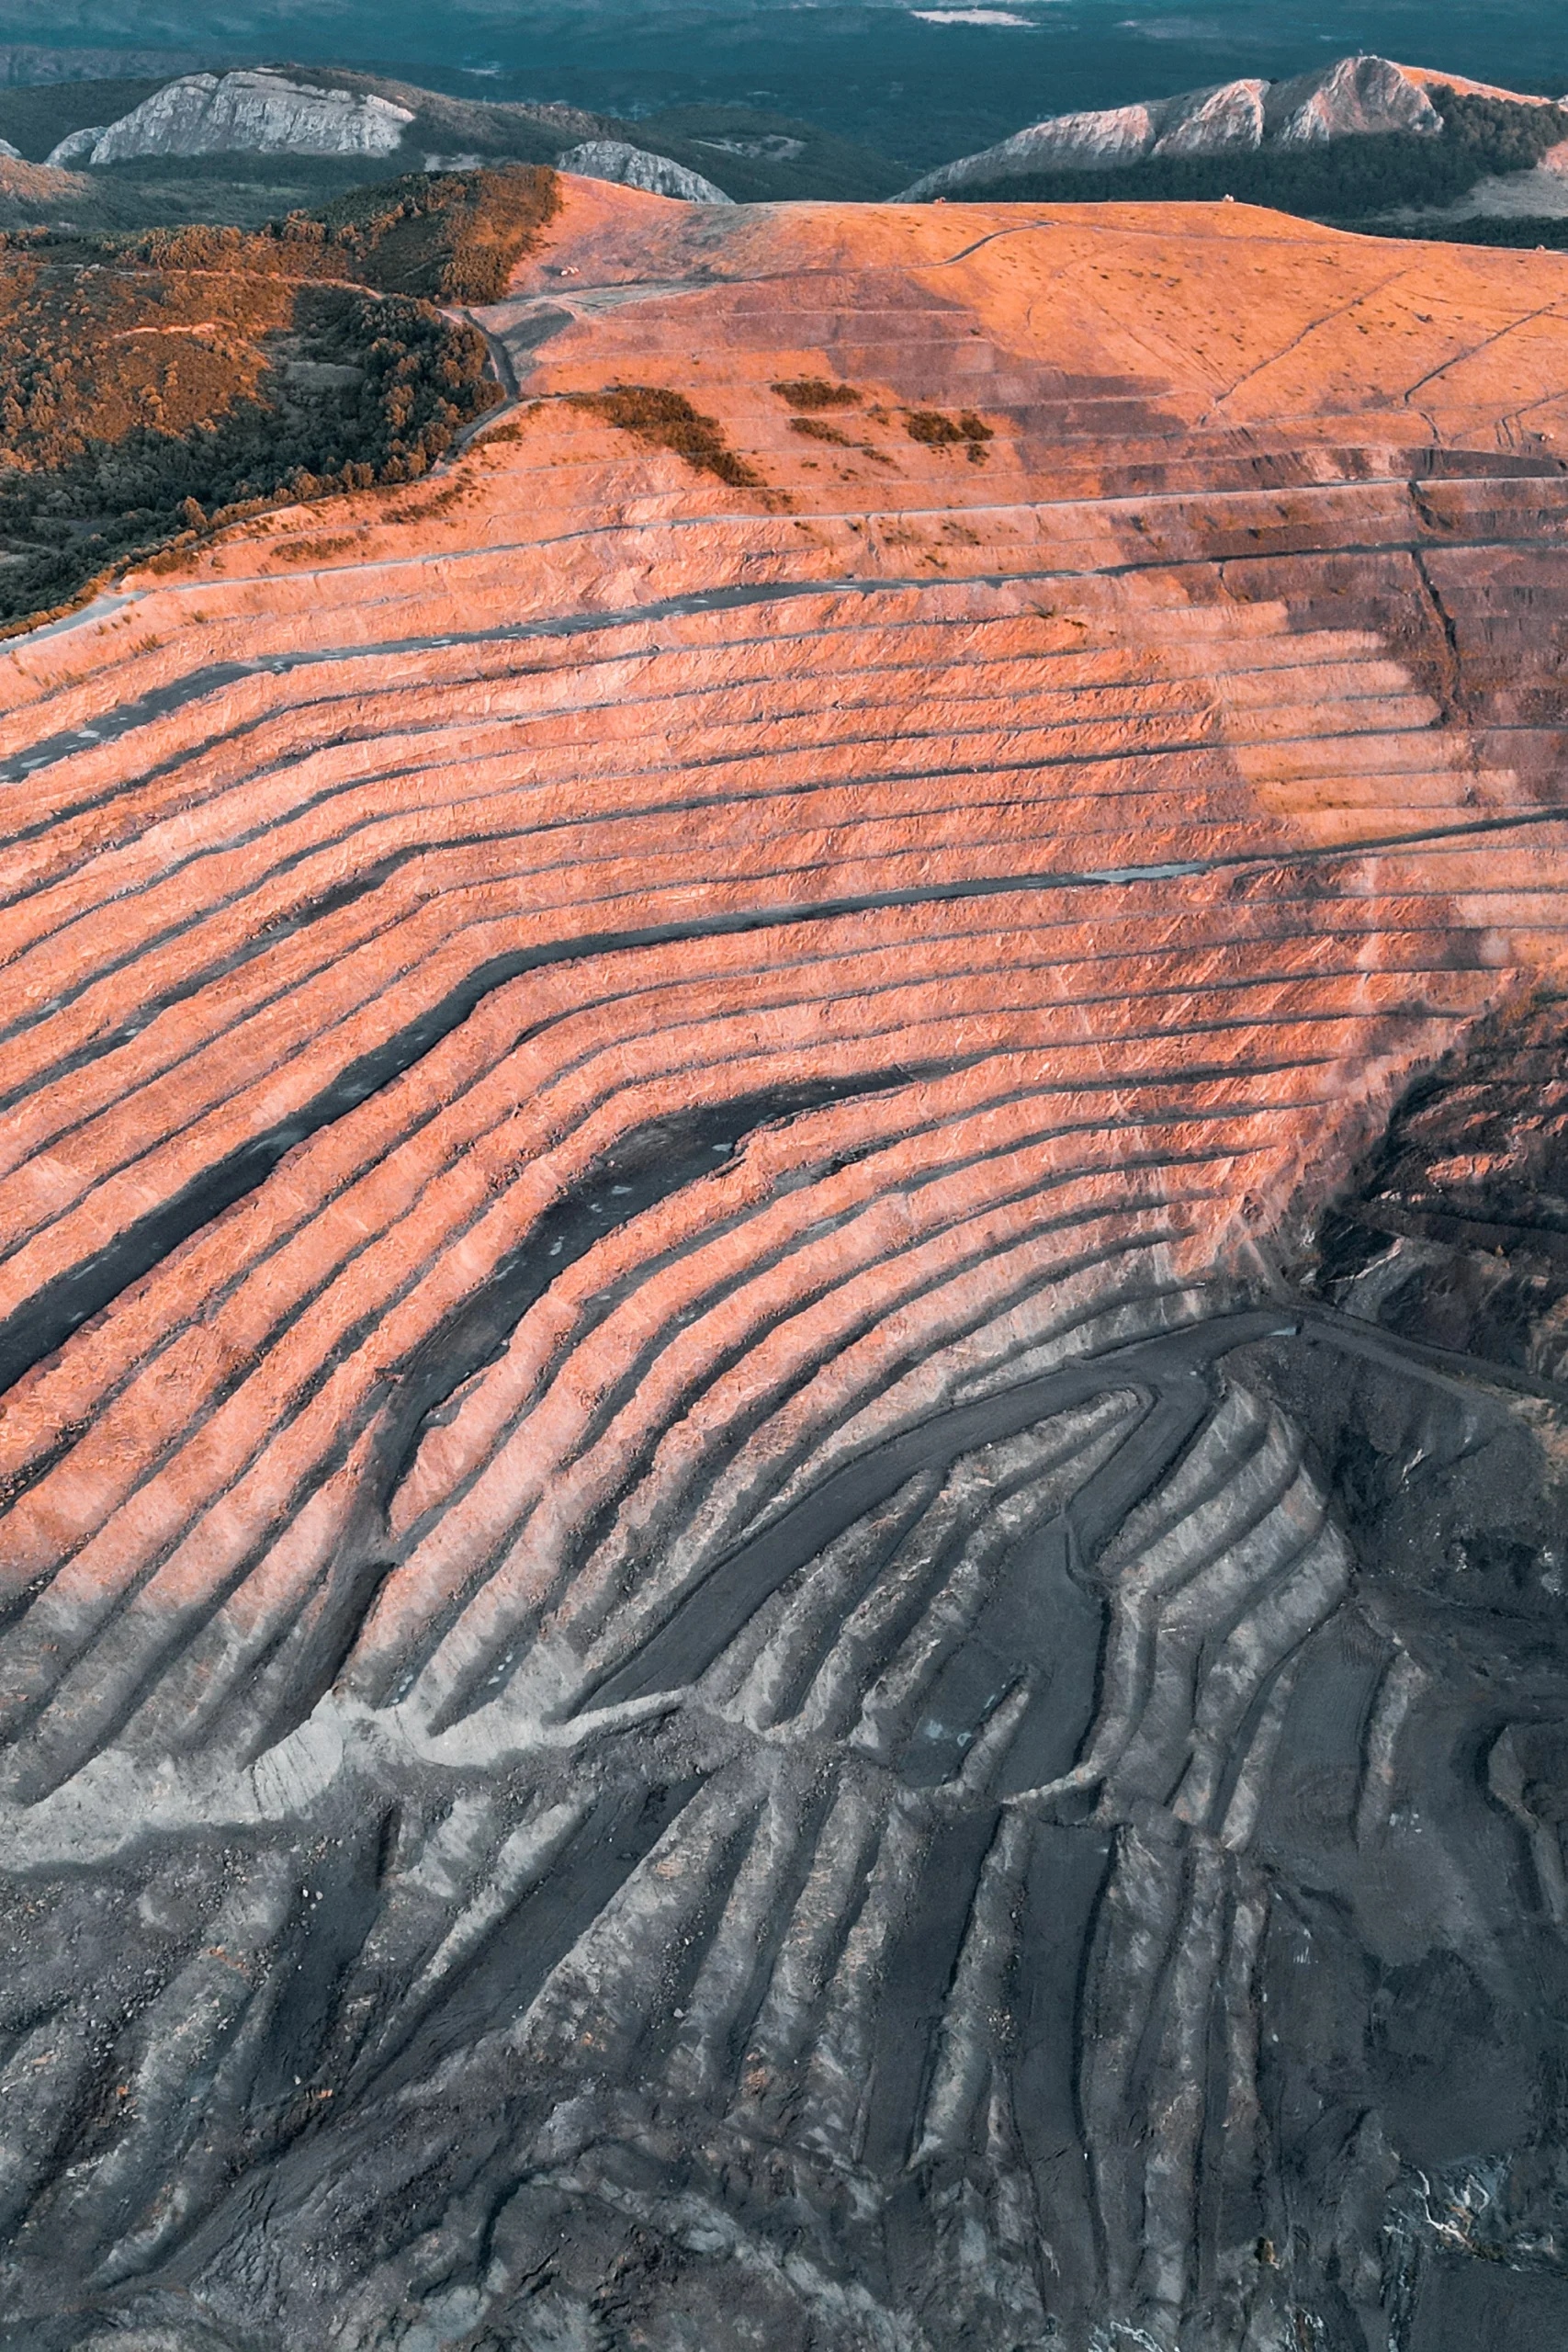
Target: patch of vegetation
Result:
[[667, 420], [445, 237], [150, 386], [29, 194], [939, 431], [456, 227], [450, 236], [1481, 229], [815, 393], [759, 157], [173, 191], [1341, 181], [815, 430]]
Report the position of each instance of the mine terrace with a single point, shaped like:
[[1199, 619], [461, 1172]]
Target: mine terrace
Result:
[[783, 1321]]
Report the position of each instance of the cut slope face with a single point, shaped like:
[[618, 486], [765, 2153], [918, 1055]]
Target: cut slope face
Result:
[[698, 1623]]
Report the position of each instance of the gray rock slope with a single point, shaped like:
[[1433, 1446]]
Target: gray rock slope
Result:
[[205, 114], [273, 113], [615, 159], [1354, 97]]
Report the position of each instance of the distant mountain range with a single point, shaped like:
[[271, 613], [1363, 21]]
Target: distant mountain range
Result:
[[1363, 141], [273, 113], [244, 144], [1354, 98]]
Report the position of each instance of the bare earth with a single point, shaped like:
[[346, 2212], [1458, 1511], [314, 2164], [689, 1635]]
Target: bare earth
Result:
[[709, 1639]]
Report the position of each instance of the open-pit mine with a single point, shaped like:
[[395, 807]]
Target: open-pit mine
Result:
[[784, 1320]]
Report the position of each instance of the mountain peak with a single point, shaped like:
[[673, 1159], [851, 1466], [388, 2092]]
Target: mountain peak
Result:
[[1353, 97]]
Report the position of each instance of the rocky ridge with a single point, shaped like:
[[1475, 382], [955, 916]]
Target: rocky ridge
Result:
[[724, 1622], [339, 118], [204, 114], [267, 112], [628, 166], [1355, 97]]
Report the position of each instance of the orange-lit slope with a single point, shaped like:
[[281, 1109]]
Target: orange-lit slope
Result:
[[549, 1015], [377, 879]]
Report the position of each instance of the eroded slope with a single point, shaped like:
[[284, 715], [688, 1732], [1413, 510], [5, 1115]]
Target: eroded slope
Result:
[[706, 1641]]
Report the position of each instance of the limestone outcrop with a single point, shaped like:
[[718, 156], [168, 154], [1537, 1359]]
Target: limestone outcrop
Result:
[[273, 113], [261, 113], [75, 149], [628, 167], [1356, 96], [740, 1605]]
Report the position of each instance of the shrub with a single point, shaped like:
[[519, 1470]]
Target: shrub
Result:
[[942, 432], [815, 430], [668, 421], [815, 393]]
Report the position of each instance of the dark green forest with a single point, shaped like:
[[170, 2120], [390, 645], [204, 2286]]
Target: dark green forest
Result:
[[1523, 231]]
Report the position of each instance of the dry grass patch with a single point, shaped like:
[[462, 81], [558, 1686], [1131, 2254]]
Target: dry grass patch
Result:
[[936, 429], [815, 393], [666, 420], [815, 430]]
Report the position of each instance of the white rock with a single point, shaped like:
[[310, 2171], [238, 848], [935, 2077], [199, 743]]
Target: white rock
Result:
[[207, 114], [1208, 122], [1064, 143], [12, 155], [1352, 98], [1079, 143], [76, 147], [614, 158], [1357, 97]]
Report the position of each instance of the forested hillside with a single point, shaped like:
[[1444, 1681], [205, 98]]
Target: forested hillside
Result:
[[152, 387]]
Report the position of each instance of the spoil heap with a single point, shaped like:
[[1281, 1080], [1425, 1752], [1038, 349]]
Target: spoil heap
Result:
[[699, 1609]]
